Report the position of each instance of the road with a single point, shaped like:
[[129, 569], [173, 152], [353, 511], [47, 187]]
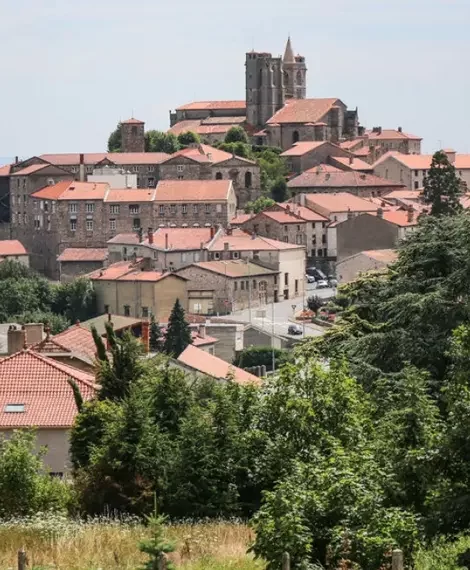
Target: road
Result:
[[282, 312]]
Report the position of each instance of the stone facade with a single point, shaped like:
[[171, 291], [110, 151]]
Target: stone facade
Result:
[[351, 267], [70, 270], [133, 136], [299, 161]]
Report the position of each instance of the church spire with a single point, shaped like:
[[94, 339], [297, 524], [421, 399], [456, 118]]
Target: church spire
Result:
[[289, 53]]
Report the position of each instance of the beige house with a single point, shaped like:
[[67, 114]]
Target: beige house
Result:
[[130, 289], [35, 393], [411, 170], [337, 206], [14, 250], [227, 286], [351, 267], [391, 139]]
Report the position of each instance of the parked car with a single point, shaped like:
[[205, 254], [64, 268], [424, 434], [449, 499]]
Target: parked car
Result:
[[314, 272], [294, 329], [322, 284], [333, 282], [310, 278]]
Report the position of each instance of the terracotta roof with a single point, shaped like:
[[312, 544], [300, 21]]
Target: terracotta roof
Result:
[[132, 121], [240, 219], [73, 158], [353, 144], [83, 254], [119, 158], [185, 126], [383, 255], [178, 238], [212, 366], [119, 323], [73, 190], [209, 105], [50, 346], [192, 190], [365, 151], [12, 247], [52, 192], [328, 203], [40, 384], [241, 241], [304, 212], [207, 154], [31, 169], [233, 268], [5, 170], [400, 218], [391, 134], [130, 195], [301, 148], [303, 111], [343, 179], [354, 163], [281, 217], [77, 339], [202, 341], [323, 168], [403, 194], [223, 121], [423, 161], [128, 271]]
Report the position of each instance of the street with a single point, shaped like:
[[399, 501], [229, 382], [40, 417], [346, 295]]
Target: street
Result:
[[263, 318]]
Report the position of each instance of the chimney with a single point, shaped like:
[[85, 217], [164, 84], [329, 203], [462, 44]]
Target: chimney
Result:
[[380, 213], [410, 214], [34, 332], [350, 214], [16, 339], [212, 232], [287, 208], [209, 156], [16, 160], [166, 240], [380, 130], [150, 235], [400, 130], [351, 160], [146, 335], [202, 331], [226, 246], [81, 175]]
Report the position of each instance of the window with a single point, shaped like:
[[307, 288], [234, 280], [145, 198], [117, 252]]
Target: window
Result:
[[180, 177], [218, 175], [151, 168], [323, 238], [235, 286], [285, 228], [295, 137], [298, 228], [112, 224], [323, 224], [14, 408], [134, 130], [151, 182], [127, 311], [247, 285], [184, 209], [89, 225], [320, 252], [89, 208], [179, 168], [236, 255], [416, 185], [275, 280], [24, 183], [136, 223], [218, 208], [248, 179], [46, 206], [161, 210], [208, 208], [216, 255], [242, 285], [296, 285], [114, 209], [195, 208], [184, 257], [53, 206], [135, 168], [416, 173], [286, 239], [298, 239], [145, 312], [73, 225], [73, 208], [37, 222], [254, 284], [106, 309], [134, 209], [173, 209], [314, 240], [286, 279]]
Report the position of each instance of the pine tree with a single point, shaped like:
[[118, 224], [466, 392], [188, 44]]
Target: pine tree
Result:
[[156, 336], [279, 190], [156, 547], [178, 335], [442, 187]]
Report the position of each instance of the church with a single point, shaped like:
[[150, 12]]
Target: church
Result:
[[276, 110]]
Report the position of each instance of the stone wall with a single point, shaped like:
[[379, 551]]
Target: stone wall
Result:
[[70, 270], [363, 233]]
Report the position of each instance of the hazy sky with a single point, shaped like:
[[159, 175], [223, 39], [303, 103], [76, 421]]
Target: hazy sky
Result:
[[70, 69]]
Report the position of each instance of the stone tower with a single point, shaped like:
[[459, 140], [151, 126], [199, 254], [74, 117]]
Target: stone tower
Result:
[[132, 136], [264, 87], [295, 74]]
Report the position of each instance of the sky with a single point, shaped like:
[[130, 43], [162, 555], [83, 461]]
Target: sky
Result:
[[71, 69]]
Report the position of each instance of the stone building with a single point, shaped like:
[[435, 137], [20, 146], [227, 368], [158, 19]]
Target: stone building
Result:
[[14, 250], [203, 162], [227, 286], [132, 136], [302, 156], [351, 267], [78, 261]]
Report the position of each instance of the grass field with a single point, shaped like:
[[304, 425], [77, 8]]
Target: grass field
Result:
[[57, 543]]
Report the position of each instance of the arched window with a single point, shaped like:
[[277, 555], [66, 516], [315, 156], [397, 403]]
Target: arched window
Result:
[[260, 78], [248, 179], [218, 175], [295, 136], [286, 78], [299, 78]]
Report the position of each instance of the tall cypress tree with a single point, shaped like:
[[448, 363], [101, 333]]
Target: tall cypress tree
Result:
[[178, 335], [156, 336], [442, 186]]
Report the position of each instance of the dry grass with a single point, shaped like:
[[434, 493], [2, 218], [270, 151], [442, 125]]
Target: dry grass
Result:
[[56, 543]]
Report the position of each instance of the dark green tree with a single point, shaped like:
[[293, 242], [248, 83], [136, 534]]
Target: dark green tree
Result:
[[156, 336], [158, 141], [262, 356], [178, 334], [279, 190], [442, 186], [259, 205], [115, 139], [187, 138], [235, 135], [156, 547], [76, 300]]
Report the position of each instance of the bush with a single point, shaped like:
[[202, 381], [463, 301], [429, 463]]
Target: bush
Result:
[[262, 356]]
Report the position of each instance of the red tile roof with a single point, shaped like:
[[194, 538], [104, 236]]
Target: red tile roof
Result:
[[401, 218], [303, 111], [5, 170], [233, 268], [215, 367], [50, 346], [353, 144], [73, 158], [241, 241], [128, 271], [12, 247], [185, 126], [83, 254], [303, 212], [282, 217], [202, 341], [301, 148], [52, 192], [404, 195], [328, 203], [354, 163], [132, 121], [391, 134], [240, 219], [383, 255], [93, 158], [130, 195], [423, 161], [209, 105], [323, 168], [365, 151], [31, 169], [207, 154], [77, 339], [41, 385], [347, 179], [193, 190], [178, 238], [73, 190]]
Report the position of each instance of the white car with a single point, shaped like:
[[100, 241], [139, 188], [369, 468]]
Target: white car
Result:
[[322, 284], [310, 278]]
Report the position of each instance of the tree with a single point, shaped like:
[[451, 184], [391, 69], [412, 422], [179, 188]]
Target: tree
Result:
[[314, 303], [259, 205], [237, 148], [156, 547], [158, 141], [279, 190], [262, 356], [235, 135], [178, 334], [442, 186], [187, 138], [76, 300], [156, 336], [115, 139]]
